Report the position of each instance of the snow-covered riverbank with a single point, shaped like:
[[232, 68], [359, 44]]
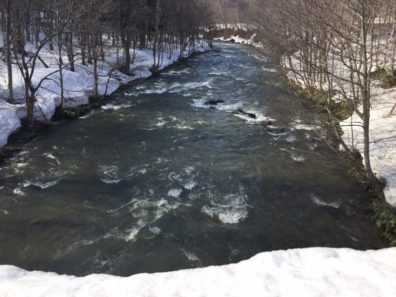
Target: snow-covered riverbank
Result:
[[383, 138], [78, 85], [303, 272], [382, 129]]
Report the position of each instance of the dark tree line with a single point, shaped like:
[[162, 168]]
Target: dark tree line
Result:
[[82, 29]]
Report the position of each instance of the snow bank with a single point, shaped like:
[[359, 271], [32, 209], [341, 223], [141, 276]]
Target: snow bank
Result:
[[303, 272], [237, 39], [78, 85], [9, 120], [383, 138]]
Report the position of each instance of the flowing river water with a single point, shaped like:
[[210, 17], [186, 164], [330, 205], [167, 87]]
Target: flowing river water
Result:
[[157, 181]]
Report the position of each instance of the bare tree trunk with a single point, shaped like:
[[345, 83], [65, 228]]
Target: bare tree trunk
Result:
[[60, 65], [7, 43], [69, 49], [96, 78], [126, 45], [366, 94]]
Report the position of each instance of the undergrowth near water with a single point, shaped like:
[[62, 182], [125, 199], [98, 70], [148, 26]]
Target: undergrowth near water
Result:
[[384, 215], [385, 219]]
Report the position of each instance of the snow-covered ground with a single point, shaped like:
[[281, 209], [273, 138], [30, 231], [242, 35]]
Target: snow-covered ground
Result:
[[237, 39], [78, 85], [303, 272], [383, 138]]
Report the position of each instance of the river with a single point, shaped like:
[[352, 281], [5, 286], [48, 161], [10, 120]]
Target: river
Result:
[[157, 180]]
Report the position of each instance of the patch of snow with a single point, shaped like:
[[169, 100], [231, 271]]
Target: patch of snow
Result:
[[301, 272], [9, 121]]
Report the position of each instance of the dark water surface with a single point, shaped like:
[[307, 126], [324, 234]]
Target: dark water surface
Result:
[[157, 181]]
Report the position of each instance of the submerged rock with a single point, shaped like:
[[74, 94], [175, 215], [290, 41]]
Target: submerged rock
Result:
[[267, 124], [248, 114], [213, 102]]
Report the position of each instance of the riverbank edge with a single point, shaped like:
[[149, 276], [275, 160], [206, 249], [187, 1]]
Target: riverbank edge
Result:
[[383, 214], [24, 134]]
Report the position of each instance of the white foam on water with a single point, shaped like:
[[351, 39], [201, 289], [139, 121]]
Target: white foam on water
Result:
[[306, 127], [189, 169], [297, 158], [21, 165], [266, 69], [315, 199], [135, 171], [190, 256], [177, 72], [299, 125], [175, 193], [158, 89], [177, 88], [41, 185], [259, 117], [200, 103], [132, 94], [115, 107], [19, 192], [278, 134], [109, 174], [229, 107], [89, 114], [190, 185], [4, 212], [230, 209], [233, 108], [216, 72], [184, 127], [132, 234], [291, 138], [147, 212], [142, 171], [155, 230], [52, 157], [173, 176], [160, 123]]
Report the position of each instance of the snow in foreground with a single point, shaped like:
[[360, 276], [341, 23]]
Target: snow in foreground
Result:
[[302, 272], [382, 138]]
